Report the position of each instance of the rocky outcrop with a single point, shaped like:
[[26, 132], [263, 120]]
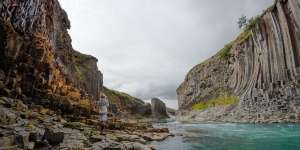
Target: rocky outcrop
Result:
[[261, 68], [124, 105], [37, 61], [36, 127], [159, 109]]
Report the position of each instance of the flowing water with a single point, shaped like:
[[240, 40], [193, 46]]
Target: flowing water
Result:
[[230, 136]]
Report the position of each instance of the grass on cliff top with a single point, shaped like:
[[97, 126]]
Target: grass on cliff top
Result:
[[224, 100], [79, 56], [225, 52], [116, 95]]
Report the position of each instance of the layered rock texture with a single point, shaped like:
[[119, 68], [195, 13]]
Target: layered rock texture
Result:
[[39, 65], [261, 67], [35, 127], [48, 90], [37, 61], [124, 105], [159, 109]]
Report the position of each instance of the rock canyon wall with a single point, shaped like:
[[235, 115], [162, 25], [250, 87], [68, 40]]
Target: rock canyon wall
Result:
[[261, 68], [37, 61], [39, 65]]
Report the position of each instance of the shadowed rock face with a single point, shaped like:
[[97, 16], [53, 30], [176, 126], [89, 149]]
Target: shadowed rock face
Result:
[[263, 70], [159, 109], [124, 105], [37, 61]]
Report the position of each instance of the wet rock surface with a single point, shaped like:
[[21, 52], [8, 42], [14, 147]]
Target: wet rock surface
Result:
[[41, 128]]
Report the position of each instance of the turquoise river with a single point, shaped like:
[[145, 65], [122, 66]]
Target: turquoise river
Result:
[[230, 136]]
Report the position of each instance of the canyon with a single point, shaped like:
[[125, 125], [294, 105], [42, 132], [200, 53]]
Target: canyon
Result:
[[48, 89]]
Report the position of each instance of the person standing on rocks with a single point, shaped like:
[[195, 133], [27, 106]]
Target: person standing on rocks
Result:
[[103, 107]]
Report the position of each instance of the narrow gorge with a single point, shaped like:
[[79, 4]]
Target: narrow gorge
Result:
[[48, 90], [255, 78]]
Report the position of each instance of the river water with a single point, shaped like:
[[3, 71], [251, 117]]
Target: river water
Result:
[[230, 136]]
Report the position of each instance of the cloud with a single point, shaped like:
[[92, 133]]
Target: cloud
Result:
[[146, 47]]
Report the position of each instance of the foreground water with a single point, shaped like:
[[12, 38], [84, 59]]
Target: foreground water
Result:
[[229, 136]]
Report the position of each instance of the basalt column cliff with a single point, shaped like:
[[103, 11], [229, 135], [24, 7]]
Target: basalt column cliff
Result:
[[37, 61], [255, 78]]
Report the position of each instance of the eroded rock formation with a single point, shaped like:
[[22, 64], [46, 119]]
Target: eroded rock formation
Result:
[[37, 61], [48, 90], [124, 105], [159, 109], [262, 69]]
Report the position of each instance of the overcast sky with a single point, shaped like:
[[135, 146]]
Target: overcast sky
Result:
[[146, 47]]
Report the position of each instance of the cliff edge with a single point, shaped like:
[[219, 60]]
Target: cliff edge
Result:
[[255, 78]]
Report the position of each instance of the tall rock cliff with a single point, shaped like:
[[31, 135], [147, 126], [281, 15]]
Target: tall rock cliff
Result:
[[255, 78], [37, 61], [159, 109]]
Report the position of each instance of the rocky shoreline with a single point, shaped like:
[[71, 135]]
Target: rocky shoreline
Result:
[[222, 114], [35, 127]]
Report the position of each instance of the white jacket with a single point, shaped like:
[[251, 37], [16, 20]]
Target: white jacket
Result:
[[103, 105]]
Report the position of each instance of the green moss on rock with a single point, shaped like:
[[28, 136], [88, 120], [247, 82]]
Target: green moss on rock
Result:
[[225, 52], [116, 95], [223, 100]]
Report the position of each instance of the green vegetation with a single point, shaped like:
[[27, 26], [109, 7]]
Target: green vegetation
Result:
[[123, 95], [225, 52], [79, 74], [30, 126], [223, 100], [115, 95], [81, 69], [247, 26], [242, 37], [79, 57], [252, 23]]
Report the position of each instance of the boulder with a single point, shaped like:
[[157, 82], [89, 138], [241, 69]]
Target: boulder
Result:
[[2, 75], [7, 139], [22, 139], [159, 109], [136, 146], [2, 85], [74, 139], [7, 117], [108, 145], [36, 135], [54, 136], [7, 102], [20, 106]]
